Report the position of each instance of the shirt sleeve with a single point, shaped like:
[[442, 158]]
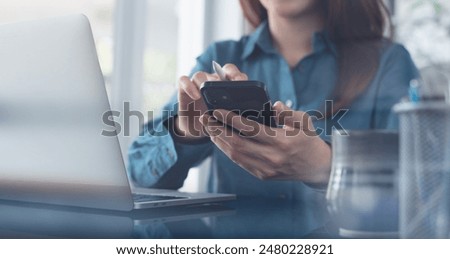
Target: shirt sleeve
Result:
[[397, 70], [156, 159]]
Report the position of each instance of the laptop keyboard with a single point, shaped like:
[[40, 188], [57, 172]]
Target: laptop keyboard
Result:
[[150, 197]]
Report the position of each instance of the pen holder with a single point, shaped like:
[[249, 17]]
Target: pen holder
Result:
[[424, 182]]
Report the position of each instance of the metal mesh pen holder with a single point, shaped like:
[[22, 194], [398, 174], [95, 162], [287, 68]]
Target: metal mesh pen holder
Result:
[[424, 169]]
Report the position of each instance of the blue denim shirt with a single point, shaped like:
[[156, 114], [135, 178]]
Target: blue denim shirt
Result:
[[156, 160]]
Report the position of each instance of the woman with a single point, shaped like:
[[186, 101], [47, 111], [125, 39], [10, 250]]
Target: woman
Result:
[[306, 52]]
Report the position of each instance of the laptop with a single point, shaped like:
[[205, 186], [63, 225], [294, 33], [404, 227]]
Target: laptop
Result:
[[52, 99]]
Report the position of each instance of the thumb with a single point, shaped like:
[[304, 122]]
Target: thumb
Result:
[[286, 116], [292, 119]]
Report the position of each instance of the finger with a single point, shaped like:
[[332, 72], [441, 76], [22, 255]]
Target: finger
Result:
[[246, 127], [284, 115], [250, 164], [218, 130], [233, 73], [187, 89], [212, 77], [240, 160], [199, 78], [246, 157], [222, 145], [244, 160], [241, 146], [236, 121], [209, 122], [293, 120]]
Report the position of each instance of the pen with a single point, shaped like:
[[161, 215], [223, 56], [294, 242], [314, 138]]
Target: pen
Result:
[[414, 91], [219, 71]]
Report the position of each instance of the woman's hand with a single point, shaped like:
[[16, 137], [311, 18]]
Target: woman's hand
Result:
[[191, 105], [293, 152]]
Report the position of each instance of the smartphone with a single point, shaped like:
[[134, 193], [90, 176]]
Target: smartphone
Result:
[[246, 98]]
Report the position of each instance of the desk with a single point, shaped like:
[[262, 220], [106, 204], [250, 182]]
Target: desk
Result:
[[244, 218]]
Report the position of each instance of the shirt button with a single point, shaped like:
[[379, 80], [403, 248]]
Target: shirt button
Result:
[[289, 103], [155, 173], [169, 153]]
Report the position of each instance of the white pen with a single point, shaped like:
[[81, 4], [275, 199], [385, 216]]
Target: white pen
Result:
[[219, 71]]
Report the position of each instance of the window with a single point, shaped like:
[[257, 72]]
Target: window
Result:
[[423, 26], [160, 55], [99, 12]]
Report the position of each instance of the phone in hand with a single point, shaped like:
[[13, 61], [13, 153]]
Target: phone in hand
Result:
[[246, 98]]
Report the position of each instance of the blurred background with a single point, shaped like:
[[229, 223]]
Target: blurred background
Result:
[[145, 45]]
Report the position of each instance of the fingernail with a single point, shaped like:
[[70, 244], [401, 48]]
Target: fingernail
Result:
[[217, 114], [197, 96], [202, 118], [279, 104]]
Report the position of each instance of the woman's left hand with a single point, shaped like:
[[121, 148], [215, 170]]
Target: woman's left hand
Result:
[[293, 152]]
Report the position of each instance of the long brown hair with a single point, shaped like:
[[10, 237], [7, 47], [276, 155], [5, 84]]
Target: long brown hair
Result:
[[356, 27]]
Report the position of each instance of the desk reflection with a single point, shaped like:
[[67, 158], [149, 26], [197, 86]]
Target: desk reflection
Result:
[[244, 218], [275, 218]]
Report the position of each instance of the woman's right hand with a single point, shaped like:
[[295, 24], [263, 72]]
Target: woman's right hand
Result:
[[191, 105]]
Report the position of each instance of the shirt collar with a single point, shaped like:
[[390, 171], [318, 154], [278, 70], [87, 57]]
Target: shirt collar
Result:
[[321, 41], [262, 39], [259, 38]]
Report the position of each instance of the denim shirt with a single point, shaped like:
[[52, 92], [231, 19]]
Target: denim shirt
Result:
[[157, 161]]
